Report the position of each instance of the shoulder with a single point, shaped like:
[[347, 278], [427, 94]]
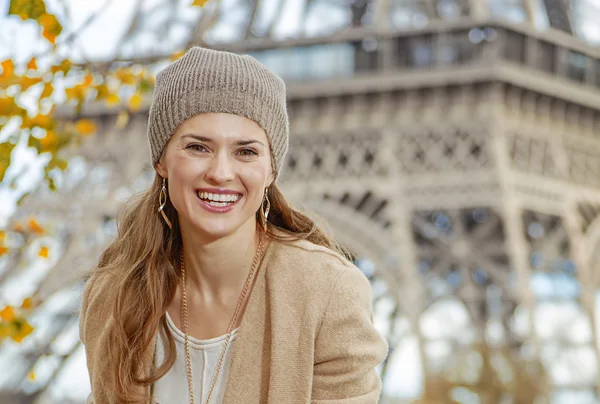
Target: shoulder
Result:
[[96, 288], [312, 267], [95, 304]]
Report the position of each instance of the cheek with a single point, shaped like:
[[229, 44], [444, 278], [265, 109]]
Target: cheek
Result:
[[255, 179], [184, 168], [181, 180]]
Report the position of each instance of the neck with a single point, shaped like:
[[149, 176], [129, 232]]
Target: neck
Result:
[[216, 269]]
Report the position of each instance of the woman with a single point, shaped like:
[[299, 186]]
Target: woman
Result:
[[216, 290]]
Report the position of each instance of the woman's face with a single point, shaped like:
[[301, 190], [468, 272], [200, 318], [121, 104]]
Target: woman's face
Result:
[[218, 166]]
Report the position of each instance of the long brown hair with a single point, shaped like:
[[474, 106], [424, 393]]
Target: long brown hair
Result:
[[144, 261]]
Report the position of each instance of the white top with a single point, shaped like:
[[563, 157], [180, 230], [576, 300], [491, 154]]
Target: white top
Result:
[[172, 388]]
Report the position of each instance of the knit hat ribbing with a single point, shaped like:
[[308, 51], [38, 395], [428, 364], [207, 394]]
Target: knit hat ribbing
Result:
[[206, 80]]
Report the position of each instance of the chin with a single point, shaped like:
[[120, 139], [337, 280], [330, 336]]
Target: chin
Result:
[[217, 228], [216, 231]]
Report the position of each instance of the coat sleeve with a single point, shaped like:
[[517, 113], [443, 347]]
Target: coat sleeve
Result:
[[83, 315], [83, 309], [95, 314], [347, 346], [85, 318]]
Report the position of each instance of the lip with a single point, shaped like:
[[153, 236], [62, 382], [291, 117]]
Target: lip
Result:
[[217, 209]]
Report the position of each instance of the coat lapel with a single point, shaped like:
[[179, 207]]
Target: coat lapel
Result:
[[248, 381]]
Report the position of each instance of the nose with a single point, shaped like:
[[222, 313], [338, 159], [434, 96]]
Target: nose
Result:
[[220, 169]]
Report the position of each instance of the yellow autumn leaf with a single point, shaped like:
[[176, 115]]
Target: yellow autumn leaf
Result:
[[49, 35], [43, 253], [73, 93], [3, 168], [199, 3], [43, 121], [26, 123], [8, 68], [7, 314], [125, 76], [27, 82], [4, 331], [59, 163], [2, 235], [112, 100], [32, 65], [7, 105], [49, 142], [102, 91], [31, 375], [27, 303], [23, 331], [135, 102], [85, 127], [35, 227], [3, 250], [64, 66], [176, 55], [122, 119], [51, 27], [27, 9], [47, 91]]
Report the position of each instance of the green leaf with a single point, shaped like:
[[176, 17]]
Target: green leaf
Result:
[[5, 153], [27, 9], [145, 86], [22, 198], [56, 162], [51, 184], [35, 143]]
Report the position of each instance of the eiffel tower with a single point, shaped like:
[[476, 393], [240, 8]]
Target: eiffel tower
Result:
[[452, 145]]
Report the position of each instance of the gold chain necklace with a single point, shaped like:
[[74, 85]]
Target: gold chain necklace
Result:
[[236, 313]]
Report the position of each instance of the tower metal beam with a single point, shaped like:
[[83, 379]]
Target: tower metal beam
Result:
[[558, 15]]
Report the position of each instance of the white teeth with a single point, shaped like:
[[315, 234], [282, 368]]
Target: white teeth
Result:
[[226, 198], [218, 204]]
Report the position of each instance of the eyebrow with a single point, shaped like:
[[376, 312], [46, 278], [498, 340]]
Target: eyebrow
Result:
[[209, 140]]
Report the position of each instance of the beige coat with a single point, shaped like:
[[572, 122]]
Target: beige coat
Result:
[[307, 335]]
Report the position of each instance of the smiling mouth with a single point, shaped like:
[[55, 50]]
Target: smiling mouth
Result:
[[218, 200]]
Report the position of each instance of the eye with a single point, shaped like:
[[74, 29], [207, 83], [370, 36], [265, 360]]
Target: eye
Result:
[[248, 152], [197, 147]]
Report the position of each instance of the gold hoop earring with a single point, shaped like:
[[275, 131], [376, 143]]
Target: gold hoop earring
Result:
[[265, 211], [162, 200]]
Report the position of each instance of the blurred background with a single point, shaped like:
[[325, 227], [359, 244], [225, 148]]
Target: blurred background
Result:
[[452, 145]]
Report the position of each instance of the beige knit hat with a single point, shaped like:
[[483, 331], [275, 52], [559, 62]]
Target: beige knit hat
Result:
[[205, 80]]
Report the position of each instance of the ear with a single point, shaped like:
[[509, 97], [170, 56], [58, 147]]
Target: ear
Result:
[[270, 178], [160, 168]]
